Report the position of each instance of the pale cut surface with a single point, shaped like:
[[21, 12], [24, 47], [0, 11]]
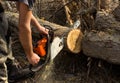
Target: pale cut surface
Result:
[[74, 40]]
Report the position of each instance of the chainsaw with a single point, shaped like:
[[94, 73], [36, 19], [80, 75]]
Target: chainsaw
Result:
[[47, 48]]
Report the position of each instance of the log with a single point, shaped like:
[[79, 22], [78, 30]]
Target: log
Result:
[[109, 5], [71, 36], [73, 40], [116, 13], [67, 12], [102, 45], [104, 41], [105, 20]]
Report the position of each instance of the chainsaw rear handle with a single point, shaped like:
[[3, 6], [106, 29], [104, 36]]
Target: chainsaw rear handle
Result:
[[50, 37], [42, 63]]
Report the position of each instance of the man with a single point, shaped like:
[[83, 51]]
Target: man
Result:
[[25, 18]]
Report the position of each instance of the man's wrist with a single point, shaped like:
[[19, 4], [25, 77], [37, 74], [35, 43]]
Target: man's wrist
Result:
[[29, 54]]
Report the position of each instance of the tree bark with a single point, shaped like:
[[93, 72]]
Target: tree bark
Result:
[[102, 45], [104, 41]]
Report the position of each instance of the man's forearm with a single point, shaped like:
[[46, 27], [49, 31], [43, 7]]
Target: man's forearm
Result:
[[35, 22], [26, 40], [24, 28]]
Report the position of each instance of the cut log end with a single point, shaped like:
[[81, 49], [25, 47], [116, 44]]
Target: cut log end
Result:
[[74, 38]]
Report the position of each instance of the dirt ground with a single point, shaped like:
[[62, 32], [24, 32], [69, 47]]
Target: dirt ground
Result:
[[71, 68], [76, 68], [81, 69]]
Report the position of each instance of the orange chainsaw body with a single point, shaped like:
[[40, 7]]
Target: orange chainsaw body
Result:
[[40, 48]]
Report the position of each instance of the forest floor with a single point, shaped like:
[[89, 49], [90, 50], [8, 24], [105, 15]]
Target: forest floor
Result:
[[72, 68]]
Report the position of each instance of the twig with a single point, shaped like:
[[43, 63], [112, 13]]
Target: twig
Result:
[[60, 9], [67, 12]]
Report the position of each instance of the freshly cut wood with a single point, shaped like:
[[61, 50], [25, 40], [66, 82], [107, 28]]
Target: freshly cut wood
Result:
[[73, 40]]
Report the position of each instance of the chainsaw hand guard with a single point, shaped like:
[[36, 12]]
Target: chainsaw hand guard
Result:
[[50, 33]]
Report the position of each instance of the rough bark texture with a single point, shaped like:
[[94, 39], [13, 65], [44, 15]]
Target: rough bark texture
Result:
[[104, 41], [116, 12], [105, 21], [102, 45]]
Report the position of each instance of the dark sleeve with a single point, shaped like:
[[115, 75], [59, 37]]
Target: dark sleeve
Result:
[[30, 3], [1, 8]]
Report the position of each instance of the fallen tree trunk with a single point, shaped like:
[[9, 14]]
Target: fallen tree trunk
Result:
[[104, 42], [102, 45], [72, 37], [72, 41]]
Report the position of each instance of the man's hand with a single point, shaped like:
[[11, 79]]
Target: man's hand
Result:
[[33, 59], [45, 30], [35, 22]]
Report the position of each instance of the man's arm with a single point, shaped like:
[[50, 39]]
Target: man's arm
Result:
[[25, 33], [35, 22]]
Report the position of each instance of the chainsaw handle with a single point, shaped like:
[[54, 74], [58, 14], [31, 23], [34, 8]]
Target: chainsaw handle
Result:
[[37, 67], [50, 33], [41, 63]]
